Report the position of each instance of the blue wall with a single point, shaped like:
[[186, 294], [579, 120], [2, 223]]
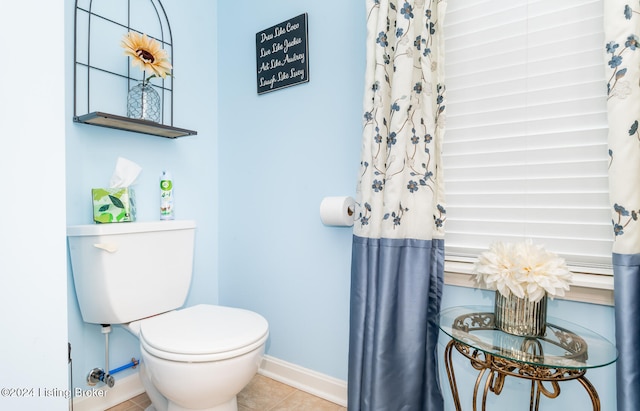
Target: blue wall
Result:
[[253, 179], [92, 153], [281, 153], [33, 299]]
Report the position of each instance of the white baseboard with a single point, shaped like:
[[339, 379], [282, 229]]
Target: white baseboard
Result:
[[101, 397], [320, 385]]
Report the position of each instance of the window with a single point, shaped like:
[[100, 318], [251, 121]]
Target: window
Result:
[[525, 151]]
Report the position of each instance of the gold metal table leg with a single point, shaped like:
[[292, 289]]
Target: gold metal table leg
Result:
[[451, 374], [591, 390], [534, 394], [487, 386]]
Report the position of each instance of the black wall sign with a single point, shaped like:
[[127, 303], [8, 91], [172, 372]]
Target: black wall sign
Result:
[[282, 57]]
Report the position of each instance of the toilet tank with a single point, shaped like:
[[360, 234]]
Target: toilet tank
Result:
[[127, 271]]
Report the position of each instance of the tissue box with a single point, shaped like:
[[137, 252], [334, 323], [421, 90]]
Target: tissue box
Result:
[[113, 205]]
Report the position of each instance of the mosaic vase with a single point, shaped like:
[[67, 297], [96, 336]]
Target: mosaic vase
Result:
[[143, 103], [520, 316]]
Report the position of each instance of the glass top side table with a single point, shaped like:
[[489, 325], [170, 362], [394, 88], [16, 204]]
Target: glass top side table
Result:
[[564, 353]]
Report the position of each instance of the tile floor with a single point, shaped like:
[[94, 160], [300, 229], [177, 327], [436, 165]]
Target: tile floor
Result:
[[262, 394]]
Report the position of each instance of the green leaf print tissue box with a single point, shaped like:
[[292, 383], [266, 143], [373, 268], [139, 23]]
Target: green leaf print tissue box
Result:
[[113, 205]]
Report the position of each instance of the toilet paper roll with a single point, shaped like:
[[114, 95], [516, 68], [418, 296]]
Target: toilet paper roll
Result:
[[337, 211]]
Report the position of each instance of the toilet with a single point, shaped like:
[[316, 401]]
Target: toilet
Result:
[[138, 275]]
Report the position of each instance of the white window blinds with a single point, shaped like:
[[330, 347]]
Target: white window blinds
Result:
[[525, 152]]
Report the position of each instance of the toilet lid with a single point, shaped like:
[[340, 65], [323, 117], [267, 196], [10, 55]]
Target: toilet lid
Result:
[[203, 330]]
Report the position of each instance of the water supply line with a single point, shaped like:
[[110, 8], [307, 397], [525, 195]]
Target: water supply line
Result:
[[132, 364], [98, 374], [106, 330]]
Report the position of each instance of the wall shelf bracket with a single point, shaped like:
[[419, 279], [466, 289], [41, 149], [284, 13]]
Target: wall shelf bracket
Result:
[[98, 118]]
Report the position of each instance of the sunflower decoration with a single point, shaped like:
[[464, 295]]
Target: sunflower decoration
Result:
[[146, 54]]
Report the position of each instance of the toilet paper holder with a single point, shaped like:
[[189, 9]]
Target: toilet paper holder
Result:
[[338, 211]]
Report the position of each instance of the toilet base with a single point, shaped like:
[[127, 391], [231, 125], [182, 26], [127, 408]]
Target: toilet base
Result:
[[161, 403], [230, 406]]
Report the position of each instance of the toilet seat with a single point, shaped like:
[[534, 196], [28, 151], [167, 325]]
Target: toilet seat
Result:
[[203, 333]]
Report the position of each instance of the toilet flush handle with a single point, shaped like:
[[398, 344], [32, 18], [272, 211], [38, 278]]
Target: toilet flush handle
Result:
[[111, 248]]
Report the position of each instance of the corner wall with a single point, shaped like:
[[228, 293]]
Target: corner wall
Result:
[[283, 152], [33, 296], [92, 153]]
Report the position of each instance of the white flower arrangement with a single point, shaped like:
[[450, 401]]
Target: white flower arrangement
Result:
[[524, 269]]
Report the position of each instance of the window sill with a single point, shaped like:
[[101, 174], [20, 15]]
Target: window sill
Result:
[[586, 287]]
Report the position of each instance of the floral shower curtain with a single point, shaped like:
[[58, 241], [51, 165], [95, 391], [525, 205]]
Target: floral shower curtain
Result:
[[622, 31], [398, 246]]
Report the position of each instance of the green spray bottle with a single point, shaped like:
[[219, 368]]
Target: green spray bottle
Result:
[[166, 196]]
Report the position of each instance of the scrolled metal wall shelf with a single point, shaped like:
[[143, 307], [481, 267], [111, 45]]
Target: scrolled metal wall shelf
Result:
[[85, 67]]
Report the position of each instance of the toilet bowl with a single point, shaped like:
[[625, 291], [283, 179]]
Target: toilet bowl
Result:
[[138, 275], [199, 358]]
